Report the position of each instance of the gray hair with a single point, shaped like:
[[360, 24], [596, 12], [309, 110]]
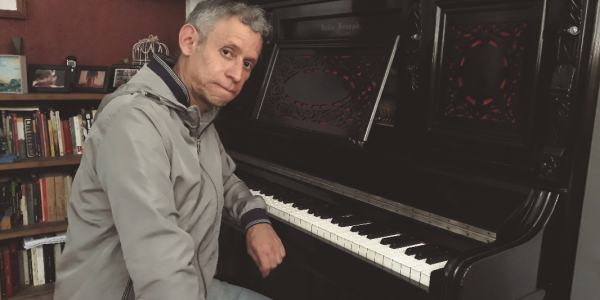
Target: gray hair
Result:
[[208, 13]]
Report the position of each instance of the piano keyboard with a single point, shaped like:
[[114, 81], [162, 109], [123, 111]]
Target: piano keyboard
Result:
[[402, 255]]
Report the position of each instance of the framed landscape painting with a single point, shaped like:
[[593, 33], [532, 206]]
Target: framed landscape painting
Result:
[[13, 74]]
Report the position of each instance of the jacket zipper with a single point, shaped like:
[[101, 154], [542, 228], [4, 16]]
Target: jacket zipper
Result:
[[210, 233]]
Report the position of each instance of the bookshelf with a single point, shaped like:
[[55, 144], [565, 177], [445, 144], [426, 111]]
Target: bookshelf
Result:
[[58, 101]]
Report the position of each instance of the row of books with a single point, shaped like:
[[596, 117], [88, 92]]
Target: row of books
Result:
[[35, 198], [31, 132], [20, 267]]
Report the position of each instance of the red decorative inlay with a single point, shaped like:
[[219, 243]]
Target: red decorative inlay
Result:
[[483, 67]]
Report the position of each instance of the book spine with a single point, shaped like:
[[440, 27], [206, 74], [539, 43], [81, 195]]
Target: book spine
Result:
[[29, 137], [22, 274], [50, 199], [59, 133], [2, 273], [6, 131], [24, 196], [44, 135], [59, 190], [67, 136], [38, 137], [7, 273], [81, 131], [13, 248], [78, 136], [73, 136], [39, 253], [37, 211], [51, 136], [44, 199], [49, 263], [30, 201], [34, 266], [25, 266], [29, 266], [18, 135]]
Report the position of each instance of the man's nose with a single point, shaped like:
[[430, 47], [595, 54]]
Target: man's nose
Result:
[[235, 71]]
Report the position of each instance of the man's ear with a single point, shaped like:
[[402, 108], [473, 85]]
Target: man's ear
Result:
[[188, 39]]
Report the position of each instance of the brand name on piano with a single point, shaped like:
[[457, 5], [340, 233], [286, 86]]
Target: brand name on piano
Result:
[[340, 27]]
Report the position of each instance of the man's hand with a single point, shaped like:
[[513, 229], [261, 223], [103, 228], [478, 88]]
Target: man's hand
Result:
[[265, 247]]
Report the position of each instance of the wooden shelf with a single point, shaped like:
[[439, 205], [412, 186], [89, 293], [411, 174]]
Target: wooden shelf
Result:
[[30, 292], [38, 97], [38, 162], [33, 229]]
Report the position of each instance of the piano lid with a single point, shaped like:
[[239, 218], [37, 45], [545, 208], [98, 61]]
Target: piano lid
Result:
[[346, 80]]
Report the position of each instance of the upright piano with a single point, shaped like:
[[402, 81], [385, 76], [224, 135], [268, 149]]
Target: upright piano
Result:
[[417, 149]]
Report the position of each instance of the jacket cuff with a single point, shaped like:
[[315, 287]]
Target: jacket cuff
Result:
[[253, 217]]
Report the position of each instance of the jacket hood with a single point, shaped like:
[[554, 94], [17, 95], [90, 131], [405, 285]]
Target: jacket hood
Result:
[[148, 82]]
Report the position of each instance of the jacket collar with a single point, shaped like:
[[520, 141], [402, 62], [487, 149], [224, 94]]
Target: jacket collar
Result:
[[163, 66]]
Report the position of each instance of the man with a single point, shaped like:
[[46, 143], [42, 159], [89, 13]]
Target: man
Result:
[[154, 180], [45, 78], [90, 80]]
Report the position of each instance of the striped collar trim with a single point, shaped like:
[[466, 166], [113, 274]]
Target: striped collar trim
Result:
[[163, 65]]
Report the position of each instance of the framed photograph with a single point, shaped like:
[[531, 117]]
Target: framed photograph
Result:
[[13, 9], [92, 79], [13, 74], [49, 78], [122, 74]]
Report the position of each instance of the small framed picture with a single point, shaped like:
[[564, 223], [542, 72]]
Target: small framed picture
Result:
[[92, 79], [122, 74], [13, 74], [49, 78]]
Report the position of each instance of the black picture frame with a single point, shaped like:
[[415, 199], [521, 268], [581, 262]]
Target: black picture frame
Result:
[[61, 84], [116, 80], [103, 75]]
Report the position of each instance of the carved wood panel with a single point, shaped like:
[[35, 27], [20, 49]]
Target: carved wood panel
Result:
[[327, 89], [485, 71]]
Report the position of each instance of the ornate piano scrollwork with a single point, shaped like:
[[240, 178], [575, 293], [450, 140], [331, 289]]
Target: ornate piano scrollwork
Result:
[[412, 49], [559, 121], [560, 90]]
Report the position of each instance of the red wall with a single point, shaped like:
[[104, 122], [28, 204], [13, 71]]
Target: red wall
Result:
[[97, 32]]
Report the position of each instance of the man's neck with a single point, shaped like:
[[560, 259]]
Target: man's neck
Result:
[[194, 99]]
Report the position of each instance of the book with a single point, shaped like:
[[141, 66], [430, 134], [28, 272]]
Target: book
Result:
[[29, 143], [51, 137], [50, 198], [2, 273], [59, 190], [44, 134], [23, 206], [26, 267], [30, 242], [29, 266], [13, 248], [50, 276], [59, 132], [73, 136], [78, 135], [57, 253], [22, 152], [39, 254], [34, 267], [21, 269], [43, 200], [30, 202], [7, 271], [66, 129], [38, 135]]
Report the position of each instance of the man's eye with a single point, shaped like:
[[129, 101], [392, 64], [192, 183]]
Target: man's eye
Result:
[[248, 65], [226, 52]]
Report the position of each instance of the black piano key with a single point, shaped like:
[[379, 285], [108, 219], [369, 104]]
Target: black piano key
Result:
[[380, 234], [357, 228], [299, 201], [315, 210], [334, 214], [337, 220], [356, 221], [394, 239], [403, 244], [369, 230], [439, 258], [308, 205], [430, 253], [419, 249]]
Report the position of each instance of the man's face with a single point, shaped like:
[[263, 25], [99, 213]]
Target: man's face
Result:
[[218, 68]]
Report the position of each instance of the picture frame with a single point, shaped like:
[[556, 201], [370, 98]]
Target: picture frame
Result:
[[13, 74], [122, 74], [48, 78], [92, 79], [16, 9]]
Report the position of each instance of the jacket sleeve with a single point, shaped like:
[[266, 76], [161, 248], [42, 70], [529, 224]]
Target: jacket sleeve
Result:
[[133, 167], [240, 205]]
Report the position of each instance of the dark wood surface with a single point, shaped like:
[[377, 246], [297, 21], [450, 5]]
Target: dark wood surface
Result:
[[33, 229], [40, 292], [40, 162], [42, 97]]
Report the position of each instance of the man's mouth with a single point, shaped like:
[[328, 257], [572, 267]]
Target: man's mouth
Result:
[[226, 89]]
